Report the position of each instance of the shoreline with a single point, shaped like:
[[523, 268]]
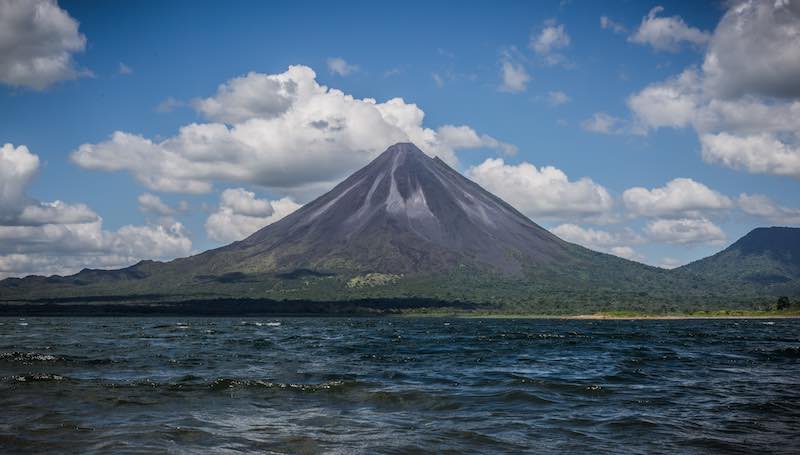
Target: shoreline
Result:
[[366, 308], [593, 317], [616, 317], [598, 317], [579, 317]]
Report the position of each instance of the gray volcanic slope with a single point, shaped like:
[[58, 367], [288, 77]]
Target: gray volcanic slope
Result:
[[405, 212]]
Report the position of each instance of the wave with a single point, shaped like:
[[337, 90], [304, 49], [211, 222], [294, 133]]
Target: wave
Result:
[[787, 352], [231, 383], [28, 357], [34, 377]]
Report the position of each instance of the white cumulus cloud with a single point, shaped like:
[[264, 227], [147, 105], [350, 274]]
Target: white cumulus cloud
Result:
[[761, 206], [543, 193], [606, 23], [680, 197], [603, 123], [557, 98], [169, 105], [254, 95], [67, 248], [340, 67], [284, 131], [754, 50], [515, 77], [464, 137], [744, 101], [56, 212], [240, 214], [549, 40], [18, 166], [60, 238], [37, 43], [672, 103], [760, 153], [684, 231], [152, 204], [667, 33], [616, 243]]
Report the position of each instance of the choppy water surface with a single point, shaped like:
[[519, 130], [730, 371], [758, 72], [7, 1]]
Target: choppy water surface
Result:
[[398, 386]]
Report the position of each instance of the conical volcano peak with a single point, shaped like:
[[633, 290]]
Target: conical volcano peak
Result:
[[404, 212], [404, 148], [402, 161]]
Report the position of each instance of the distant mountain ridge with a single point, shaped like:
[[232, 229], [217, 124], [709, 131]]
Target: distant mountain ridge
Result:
[[407, 226], [767, 257]]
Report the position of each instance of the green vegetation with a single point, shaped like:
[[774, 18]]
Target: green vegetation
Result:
[[584, 283], [633, 290], [372, 279]]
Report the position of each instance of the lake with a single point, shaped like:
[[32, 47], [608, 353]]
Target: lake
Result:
[[395, 385]]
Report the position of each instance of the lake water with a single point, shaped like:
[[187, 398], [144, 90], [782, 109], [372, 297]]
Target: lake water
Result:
[[428, 385]]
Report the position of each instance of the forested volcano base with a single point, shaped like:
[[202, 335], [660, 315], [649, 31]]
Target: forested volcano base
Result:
[[649, 291]]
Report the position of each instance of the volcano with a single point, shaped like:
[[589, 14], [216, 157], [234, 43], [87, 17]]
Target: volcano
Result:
[[404, 213], [406, 226]]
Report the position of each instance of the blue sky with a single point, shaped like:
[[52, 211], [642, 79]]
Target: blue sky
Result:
[[580, 109]]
